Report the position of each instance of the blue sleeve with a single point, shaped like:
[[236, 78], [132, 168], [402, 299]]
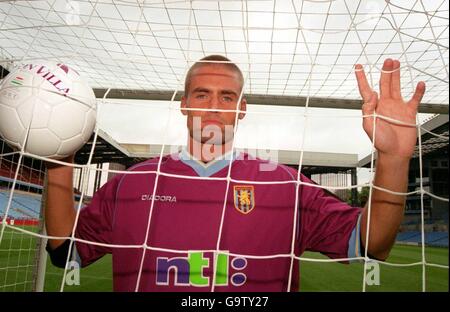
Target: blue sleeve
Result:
[[354, 244]]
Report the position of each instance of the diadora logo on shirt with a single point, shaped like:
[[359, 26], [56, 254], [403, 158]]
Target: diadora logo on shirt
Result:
[[189, 271], [162, 198]]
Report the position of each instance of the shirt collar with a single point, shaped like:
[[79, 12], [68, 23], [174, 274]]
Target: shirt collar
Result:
[[210, 168]]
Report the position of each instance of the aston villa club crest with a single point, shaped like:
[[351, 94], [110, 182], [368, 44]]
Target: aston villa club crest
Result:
[[244, 198]]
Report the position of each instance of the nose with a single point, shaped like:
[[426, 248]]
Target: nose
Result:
[[214, 102]]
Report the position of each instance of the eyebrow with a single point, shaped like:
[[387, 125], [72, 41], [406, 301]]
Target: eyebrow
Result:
[[229, 92], [200, 90], [205, 90]]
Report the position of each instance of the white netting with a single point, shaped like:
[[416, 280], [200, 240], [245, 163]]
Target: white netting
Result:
[[299, 48], [18, 260], [148, 44]]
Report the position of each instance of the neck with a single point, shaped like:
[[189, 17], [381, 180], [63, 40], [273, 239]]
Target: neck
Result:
[[207, 152]]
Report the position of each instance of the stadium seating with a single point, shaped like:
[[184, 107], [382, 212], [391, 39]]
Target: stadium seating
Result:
[[23, 206], [438, 239], [26, 174]]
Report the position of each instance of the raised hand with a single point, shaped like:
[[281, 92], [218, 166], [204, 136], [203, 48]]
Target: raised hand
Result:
[[390, 138]]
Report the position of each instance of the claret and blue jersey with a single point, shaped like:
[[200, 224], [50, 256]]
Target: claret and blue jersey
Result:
[[254, 231]]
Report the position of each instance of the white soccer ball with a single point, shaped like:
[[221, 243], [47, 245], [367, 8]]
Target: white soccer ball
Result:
[[53, 103]]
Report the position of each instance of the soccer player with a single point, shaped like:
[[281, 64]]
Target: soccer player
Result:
[[168, 228]]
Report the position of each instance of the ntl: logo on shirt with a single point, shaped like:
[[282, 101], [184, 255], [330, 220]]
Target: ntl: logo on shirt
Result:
[[189, 270]]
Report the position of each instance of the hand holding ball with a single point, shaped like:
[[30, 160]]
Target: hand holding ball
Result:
[[53, 103]]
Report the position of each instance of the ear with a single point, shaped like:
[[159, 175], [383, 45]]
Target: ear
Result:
[[243, 108], [183, 105]]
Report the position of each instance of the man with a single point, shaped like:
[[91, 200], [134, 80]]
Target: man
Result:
[[172, 231]]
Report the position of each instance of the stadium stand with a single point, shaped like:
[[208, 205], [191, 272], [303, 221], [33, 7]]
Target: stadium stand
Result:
[[24, 209], [437, 239], [26, 174]]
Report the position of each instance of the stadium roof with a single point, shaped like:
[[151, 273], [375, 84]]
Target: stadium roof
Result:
[[288, 50], [310, 159], [261, 99], [108, 150]]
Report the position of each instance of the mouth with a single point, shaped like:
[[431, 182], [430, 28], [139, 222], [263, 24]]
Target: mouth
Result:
[[212, 122]]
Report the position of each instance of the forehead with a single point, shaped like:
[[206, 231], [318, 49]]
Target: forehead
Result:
[[212, 72]]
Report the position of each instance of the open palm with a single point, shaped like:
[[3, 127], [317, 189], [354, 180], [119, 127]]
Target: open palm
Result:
[[390, 137]]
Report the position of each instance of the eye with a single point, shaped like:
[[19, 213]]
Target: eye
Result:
[[227, 99], [201, 96]]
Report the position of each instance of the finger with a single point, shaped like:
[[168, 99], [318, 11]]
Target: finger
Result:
[[417, 96], [385, 79], [396, 92], [369, 107], [363, 85]]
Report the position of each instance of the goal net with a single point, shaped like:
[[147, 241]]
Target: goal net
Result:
[[296, 56]]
